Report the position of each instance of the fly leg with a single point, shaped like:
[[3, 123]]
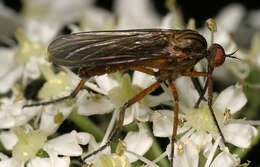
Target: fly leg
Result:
[[209, 85], [202, 94], [122, 115], [84, 73], [72, 95], [145, 70], [175, 121]]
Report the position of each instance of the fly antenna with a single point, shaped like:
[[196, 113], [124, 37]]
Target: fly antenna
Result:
[[233, 57]]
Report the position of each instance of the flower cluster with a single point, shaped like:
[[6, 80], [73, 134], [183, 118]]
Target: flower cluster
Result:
[[31, 137]]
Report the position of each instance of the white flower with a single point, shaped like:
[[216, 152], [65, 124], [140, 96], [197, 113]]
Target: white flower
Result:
[[56, 85], [13, 114], [9, 162], [67, 144], [232, 99], [53, 116], [29, 143], [43, 19], [118, 93], [50, 162], [8, 139], [8, 74], [232, 15], [22, 62]]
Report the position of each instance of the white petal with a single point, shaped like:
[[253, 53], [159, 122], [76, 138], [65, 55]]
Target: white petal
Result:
[[163, 123], [188, 95], [8, 139], [7, 81], [41, 30], [48, 162], [93, 146], [232, 98], [83, 138], [225, 159], [98, 18], [47, 119], [7, 121], [138, 142], [57, 11], [230, 16], [3, 156], [10, 21], [158, 99], [129, 116], [40, 162], [11, 162], [172, 20], [188, 156], [239, 134], [142, 80], [253, 16], [7, 60], [66, 144], [13, 114], [87, 106], [105, 82], [201, 139], [142, 112], [32, 68], [136, 14]]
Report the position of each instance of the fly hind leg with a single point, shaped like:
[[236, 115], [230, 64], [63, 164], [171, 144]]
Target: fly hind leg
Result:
[[83, 73], [72, 95]]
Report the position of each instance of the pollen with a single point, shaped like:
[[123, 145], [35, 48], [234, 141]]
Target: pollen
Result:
[[25, 154], [245, 131], [186, 140], [180, 148], [226, 149], [55, 81]]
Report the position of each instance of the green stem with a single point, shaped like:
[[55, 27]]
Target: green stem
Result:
[[86, 125]]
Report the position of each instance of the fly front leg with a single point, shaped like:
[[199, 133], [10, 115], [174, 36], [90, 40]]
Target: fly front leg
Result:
[[145, 70], [209, 86], [210, 94], [202, 93], [135, 99]]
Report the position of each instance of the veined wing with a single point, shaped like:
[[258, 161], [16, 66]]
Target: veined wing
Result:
[[110, 47]]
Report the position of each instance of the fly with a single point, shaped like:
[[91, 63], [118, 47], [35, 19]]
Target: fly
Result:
[[172, 52]]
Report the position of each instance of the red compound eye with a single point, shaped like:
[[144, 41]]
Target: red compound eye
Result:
[[220, 56]]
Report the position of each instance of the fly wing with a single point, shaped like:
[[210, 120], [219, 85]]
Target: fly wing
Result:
[[96, 48]]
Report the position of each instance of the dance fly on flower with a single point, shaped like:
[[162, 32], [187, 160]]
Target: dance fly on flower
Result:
[[171, 52]]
